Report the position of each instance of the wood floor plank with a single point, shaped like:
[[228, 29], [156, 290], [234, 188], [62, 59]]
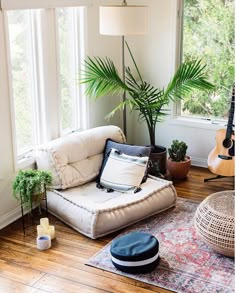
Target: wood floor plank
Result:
[[62, 268], [10, 286], [60, 285], [13, 272], [55, 284]]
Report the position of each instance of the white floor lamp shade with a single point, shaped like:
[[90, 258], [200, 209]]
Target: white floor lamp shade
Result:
[[123, 20]]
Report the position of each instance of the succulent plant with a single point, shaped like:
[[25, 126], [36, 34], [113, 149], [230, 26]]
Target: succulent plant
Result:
[[177, 151]]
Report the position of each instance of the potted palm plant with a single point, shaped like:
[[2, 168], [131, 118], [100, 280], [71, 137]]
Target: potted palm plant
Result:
[[102, 78], [29, 186], [178, 162]]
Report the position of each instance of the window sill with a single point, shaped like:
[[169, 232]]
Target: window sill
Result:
[[197, 123], [27, 159], [25, 163]]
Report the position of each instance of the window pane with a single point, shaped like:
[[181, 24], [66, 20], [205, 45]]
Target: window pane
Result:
[[70, 45], [22, 78], [208, 33]]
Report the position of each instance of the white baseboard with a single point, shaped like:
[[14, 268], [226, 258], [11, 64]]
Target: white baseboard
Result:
[[10, 217], [199, 162]]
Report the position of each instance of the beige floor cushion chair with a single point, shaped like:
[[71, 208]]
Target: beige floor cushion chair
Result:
[[75, 161]]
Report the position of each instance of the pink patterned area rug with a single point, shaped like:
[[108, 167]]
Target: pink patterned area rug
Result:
[[187, 264]]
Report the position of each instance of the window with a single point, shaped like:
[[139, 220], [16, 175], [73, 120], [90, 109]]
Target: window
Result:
[[28, 63], [71, 54], [24, 77], [208, 33]]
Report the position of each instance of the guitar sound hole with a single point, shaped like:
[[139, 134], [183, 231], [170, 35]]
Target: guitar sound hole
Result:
[[227, 143]]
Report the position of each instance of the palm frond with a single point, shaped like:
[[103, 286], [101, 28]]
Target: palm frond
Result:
[[119, 107], [101, 77], [134, 62], [190, 75]]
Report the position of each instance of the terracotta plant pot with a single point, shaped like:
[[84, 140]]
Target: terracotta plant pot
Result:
[[179, 170]]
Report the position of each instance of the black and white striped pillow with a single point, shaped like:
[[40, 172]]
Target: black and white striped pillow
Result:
[[123, 173]]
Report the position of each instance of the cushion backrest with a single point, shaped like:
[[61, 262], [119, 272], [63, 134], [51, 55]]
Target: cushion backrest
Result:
[[76, 158]]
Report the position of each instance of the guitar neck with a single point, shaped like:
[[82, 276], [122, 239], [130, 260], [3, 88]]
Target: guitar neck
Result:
[[229, 130]]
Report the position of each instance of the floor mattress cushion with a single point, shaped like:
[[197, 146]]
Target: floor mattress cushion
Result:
[[95, 212]]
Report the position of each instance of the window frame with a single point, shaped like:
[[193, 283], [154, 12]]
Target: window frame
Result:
[[176, 118], [43, 115], [37, 4], [78, 19]]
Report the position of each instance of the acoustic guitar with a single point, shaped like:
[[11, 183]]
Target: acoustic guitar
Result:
[[221, 158]]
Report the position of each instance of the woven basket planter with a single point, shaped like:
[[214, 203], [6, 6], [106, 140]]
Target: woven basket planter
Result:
[[214, 221]]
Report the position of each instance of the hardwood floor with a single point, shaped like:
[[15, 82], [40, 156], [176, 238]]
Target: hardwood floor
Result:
[[23, 268]]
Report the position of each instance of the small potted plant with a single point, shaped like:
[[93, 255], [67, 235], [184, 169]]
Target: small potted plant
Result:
[[178, 162], [29, 186]]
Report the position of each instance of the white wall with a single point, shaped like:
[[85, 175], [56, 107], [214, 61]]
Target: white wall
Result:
[[99, 45], [8, 205]]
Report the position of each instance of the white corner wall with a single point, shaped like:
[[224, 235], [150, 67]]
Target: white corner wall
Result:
[[8, 205]]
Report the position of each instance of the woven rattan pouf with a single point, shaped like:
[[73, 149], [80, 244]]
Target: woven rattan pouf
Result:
[[214, 221]]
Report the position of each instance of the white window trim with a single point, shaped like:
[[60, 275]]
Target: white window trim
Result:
[[51, 74], [177, 48], [83, 49], [37, 4], [41, 92], [10, 90], [84, 100], [25, 162], [197, 123]]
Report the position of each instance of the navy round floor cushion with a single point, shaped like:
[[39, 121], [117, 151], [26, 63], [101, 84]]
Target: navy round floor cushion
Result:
[[135, 252]]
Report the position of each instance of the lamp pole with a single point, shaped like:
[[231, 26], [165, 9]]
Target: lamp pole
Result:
[[124, 93], [124, 3]]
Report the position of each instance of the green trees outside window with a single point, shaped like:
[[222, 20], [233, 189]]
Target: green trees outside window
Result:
[[208, 32]]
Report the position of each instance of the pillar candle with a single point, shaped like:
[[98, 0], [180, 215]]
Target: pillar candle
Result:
[[44, 222], [41, 230], [51, 230]]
